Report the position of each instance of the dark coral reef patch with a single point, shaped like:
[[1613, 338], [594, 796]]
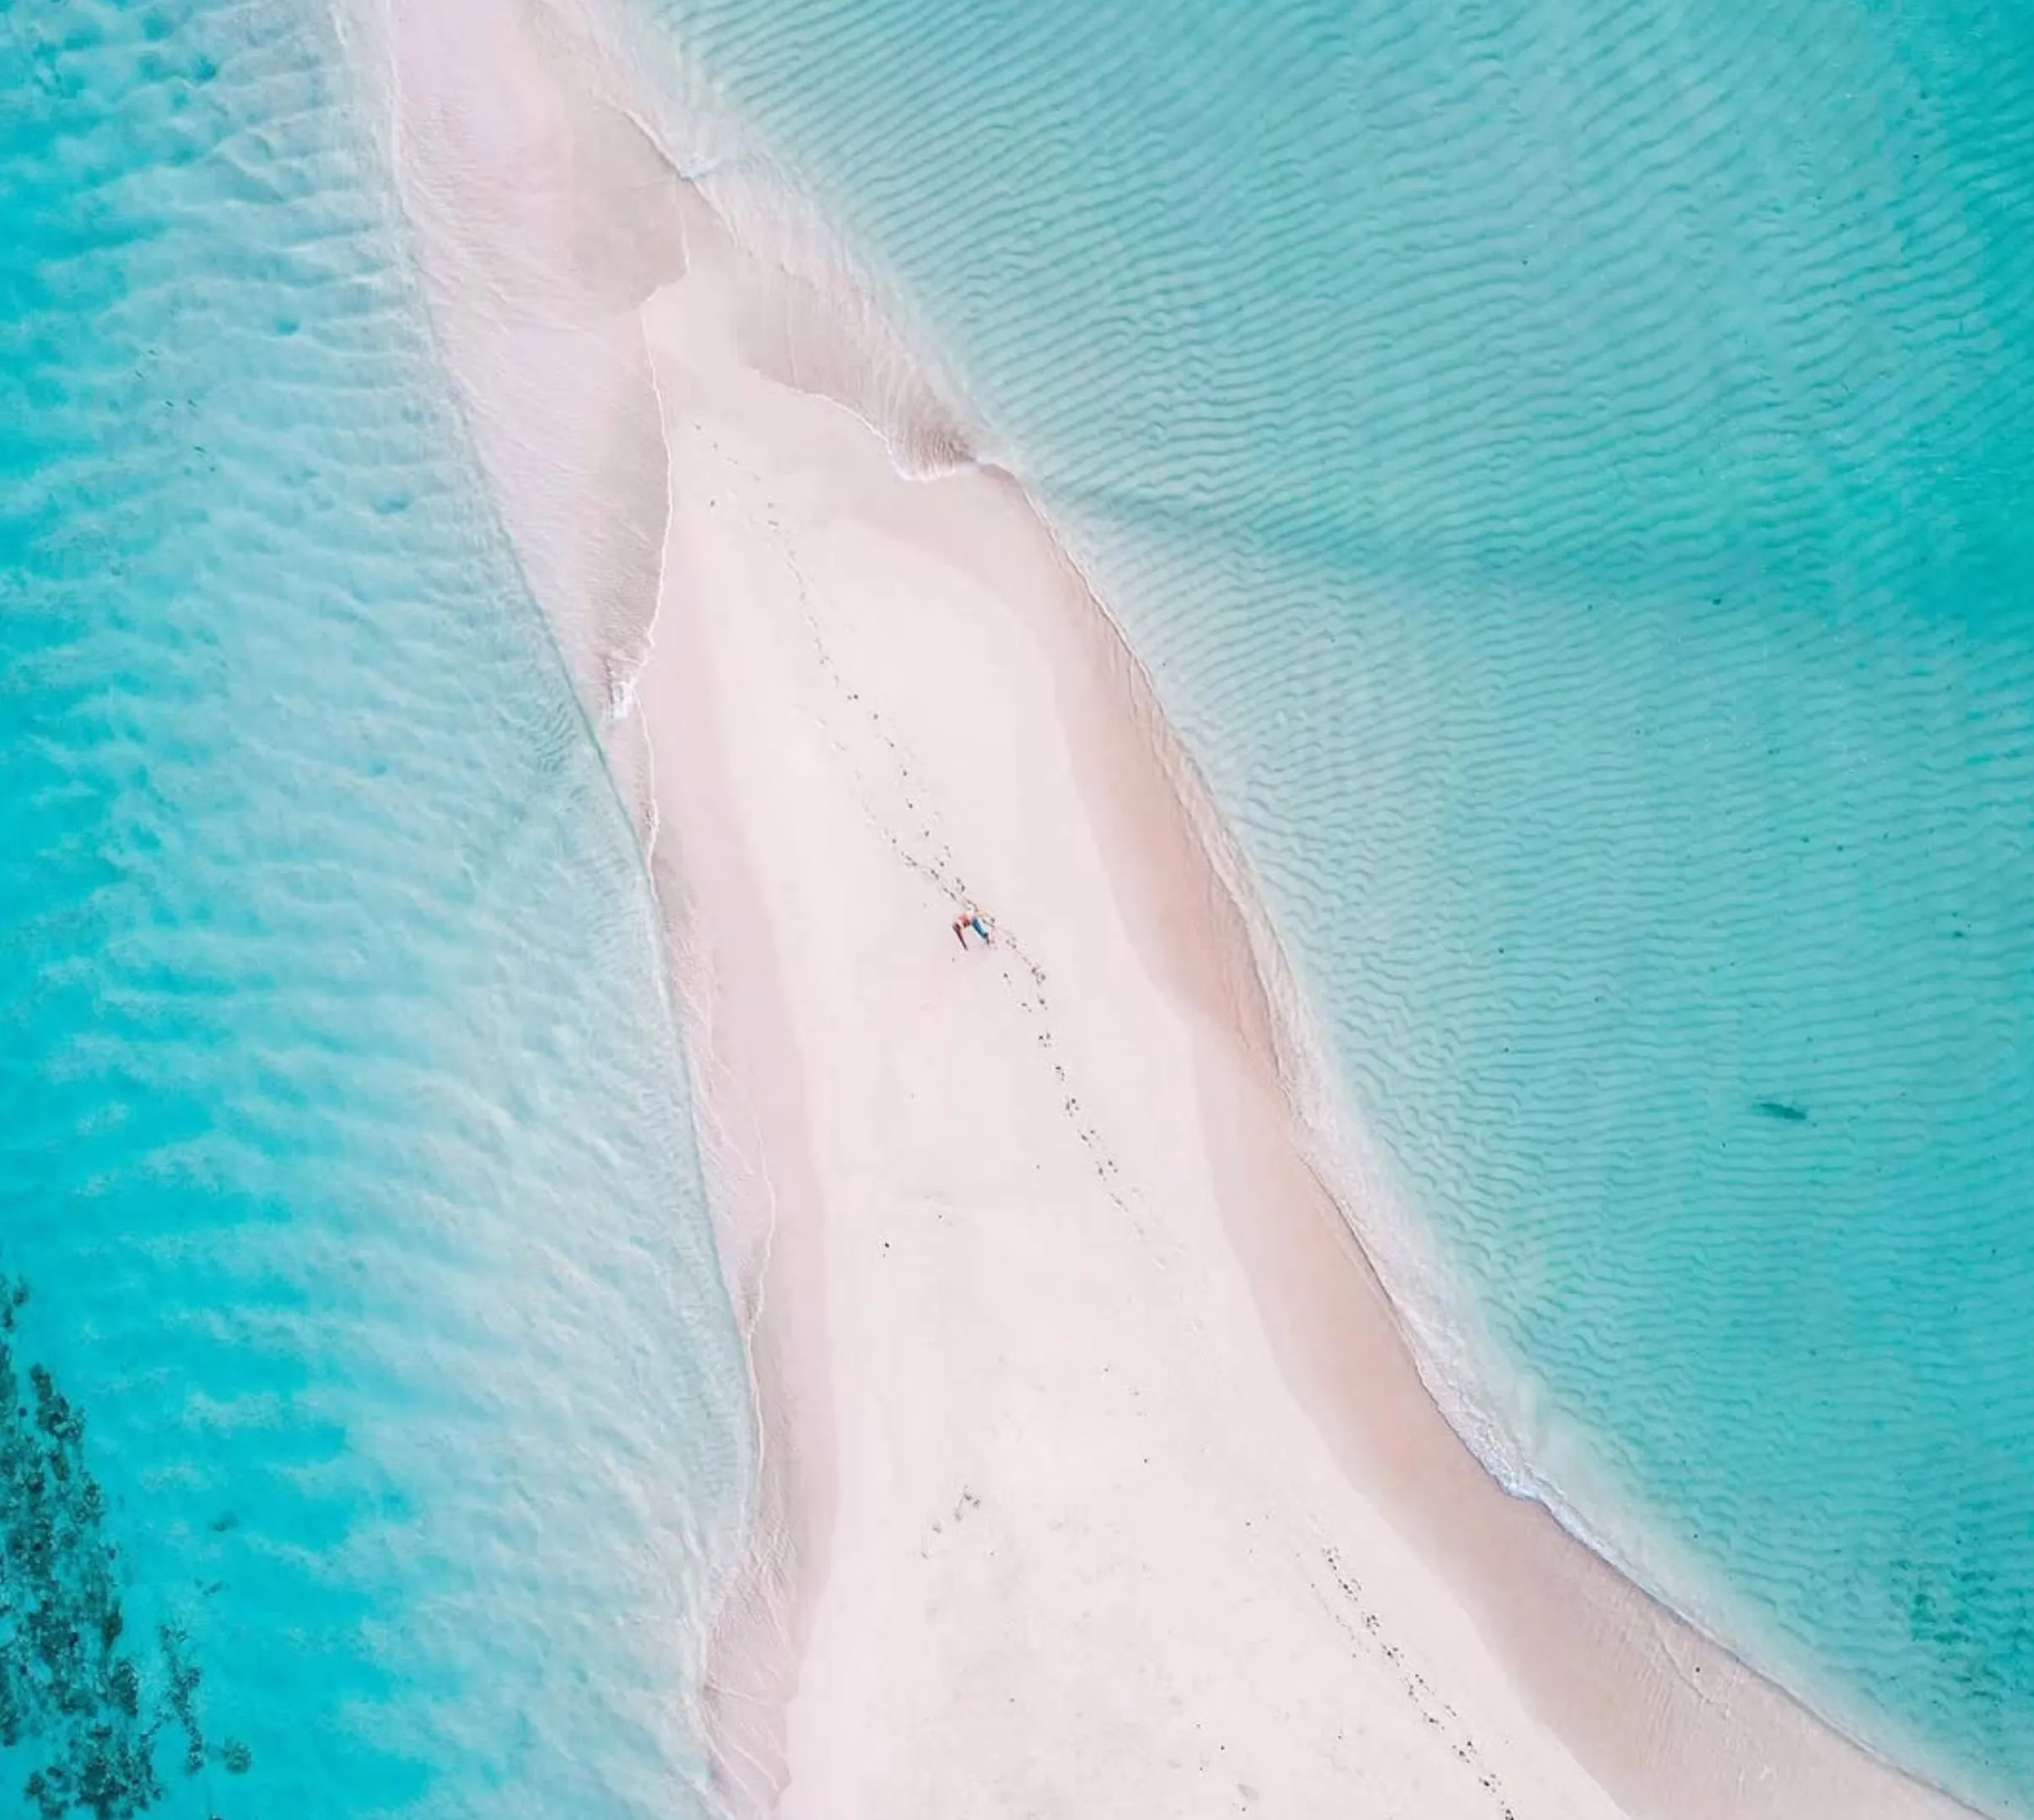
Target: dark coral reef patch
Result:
[[87, 1708]]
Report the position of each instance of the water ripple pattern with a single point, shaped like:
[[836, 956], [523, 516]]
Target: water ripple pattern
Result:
[[1568, 468], [375, 1421]]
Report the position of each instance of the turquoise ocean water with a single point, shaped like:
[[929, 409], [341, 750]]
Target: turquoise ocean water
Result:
[[374, 1422], [1570, 468]]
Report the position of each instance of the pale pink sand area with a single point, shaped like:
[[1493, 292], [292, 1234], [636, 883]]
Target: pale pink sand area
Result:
[[1097, 1479]]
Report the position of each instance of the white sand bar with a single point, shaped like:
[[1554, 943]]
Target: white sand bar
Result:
[[1086, 1555], [1053, 1312], [1097, 1479]]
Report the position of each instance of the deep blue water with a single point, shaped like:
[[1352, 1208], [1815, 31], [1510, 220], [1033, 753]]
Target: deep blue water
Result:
[[1568, 468], [373, 1424]]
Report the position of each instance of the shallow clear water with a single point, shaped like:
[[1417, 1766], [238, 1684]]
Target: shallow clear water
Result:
[[1569, 468], [347, 1159]]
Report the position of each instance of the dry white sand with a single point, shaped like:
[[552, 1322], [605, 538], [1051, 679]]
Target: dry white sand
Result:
[[1085, 1554], [1097, 1479]]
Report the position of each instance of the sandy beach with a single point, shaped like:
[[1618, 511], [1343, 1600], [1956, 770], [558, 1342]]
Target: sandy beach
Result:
[[1097, 1477]]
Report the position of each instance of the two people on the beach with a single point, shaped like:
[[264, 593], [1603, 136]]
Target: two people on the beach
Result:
[[971, 920]]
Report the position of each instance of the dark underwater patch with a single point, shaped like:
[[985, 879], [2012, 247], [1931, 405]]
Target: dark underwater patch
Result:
[[90, 1708]]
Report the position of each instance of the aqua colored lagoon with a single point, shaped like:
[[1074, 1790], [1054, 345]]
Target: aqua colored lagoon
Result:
[[377, 1418]]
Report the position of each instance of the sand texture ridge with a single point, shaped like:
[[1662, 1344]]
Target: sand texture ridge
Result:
[[1096, 1478]]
